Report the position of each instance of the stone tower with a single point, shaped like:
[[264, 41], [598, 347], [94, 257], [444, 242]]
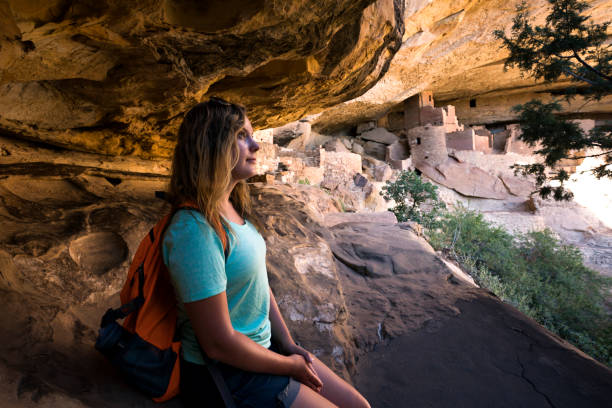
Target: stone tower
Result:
[[428, 144]]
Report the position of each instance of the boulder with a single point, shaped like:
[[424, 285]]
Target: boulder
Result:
[[375, 149], [285, 134], [518, 186], [358, 149], [359, 180], [347, 142], [381, 218], [383, 173], [312, 142], [335, 145], [380, 135], [348, 162], [466, 179]]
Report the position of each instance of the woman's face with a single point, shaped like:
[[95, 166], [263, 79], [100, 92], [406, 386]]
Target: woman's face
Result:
[[247, 148]]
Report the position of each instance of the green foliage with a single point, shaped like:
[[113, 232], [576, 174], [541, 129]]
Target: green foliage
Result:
[[415, 200], [543, 278], [466, 234], [566, 46], [304, 181]]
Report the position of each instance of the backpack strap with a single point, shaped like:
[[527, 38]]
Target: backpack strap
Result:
[[222, 387], [211, 365], [121, 312]]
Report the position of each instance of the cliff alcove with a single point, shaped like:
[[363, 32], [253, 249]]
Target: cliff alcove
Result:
[[91, 94]]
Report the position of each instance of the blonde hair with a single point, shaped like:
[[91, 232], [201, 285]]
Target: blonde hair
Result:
[[204, 156]]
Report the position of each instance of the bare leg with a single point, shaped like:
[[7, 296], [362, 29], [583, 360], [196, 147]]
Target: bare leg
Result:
[[335, 392], [308, 398]]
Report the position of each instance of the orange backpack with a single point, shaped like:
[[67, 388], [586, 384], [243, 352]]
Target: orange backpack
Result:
[[145, 347]]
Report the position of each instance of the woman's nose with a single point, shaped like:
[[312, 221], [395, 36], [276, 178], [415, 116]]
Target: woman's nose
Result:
[[253, 145]]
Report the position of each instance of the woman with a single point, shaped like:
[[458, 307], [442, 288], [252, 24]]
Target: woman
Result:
[[216, 259]]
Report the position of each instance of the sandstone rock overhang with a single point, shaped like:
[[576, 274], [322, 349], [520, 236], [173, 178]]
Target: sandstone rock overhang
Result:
[[116, 77], [449, 48]]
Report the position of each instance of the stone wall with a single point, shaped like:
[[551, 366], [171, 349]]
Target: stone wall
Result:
[[413, 106], [461, 140], [482, 143], [498, 107], [514, 144]]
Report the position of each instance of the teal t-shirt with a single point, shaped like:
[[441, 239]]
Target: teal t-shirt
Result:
[[193, 253]]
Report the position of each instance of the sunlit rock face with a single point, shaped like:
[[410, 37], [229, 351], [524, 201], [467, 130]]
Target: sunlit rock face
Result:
[[449, 48], [115, 77]]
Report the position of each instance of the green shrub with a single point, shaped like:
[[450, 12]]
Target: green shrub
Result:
[[536, 273], [415, 200], [466, 234]]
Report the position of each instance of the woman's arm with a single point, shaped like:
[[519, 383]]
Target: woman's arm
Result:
[[281, 334], [213, 328]]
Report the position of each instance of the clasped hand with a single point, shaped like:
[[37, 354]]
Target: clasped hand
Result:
[[304, 370]]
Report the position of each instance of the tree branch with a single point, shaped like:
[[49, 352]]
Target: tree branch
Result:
[[590, 68], [580, 78], [590, 155]]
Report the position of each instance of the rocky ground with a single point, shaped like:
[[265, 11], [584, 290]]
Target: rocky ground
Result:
[[372, 299]]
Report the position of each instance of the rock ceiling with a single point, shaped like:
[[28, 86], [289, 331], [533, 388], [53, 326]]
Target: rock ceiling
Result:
[[115, 77]]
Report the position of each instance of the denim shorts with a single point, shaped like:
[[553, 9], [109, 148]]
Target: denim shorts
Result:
[[248, 389]]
